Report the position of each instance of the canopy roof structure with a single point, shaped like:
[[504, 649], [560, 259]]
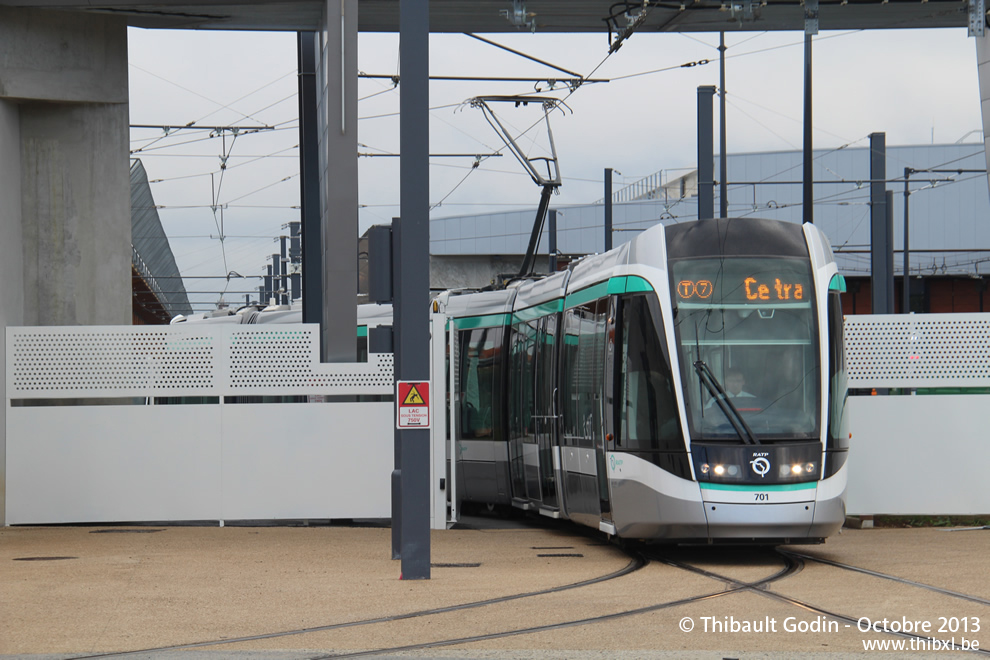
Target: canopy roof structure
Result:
[[495, 16]]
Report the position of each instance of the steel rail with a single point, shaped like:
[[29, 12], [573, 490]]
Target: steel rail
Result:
[[790, 567], [850, 621], [636, 563], [885, 576]]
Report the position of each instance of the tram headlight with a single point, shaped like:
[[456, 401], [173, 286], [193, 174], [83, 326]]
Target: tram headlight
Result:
[[794, 470], [720, 470]]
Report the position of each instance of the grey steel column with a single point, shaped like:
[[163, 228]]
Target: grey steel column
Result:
[[706, 153], [888, 276], [412, 298], [397, 443], [284, 261], [340, 213], [309, 182], [608, 209], [268, 287], [879, 266], [906, 306], [295, 256], [808, 201], [553, 239], [723, 165]]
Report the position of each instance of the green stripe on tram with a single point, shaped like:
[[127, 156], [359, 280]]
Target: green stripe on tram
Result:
[[362, 331], [747, 488], [628, 284], [486, 321], [613, 286], [537, 311], [593, 292]]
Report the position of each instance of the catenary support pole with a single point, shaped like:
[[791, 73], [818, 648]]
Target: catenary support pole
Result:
[[706, 153], [888, 276], [397, 448], [878, 223], [412, 297], [808, 198], [608, 209], [552, 220], [723, 165], [906, 293]]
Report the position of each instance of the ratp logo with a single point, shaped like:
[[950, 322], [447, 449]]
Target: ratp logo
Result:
[[761, 465]]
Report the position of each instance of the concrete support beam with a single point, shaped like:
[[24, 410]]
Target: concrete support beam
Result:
[[339, 178], [73, 57]]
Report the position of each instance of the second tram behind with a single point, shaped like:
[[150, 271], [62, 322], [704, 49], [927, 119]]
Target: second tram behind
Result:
[[688, 386]]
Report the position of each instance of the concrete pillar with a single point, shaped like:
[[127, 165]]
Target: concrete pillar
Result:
[[11, 264], [76, 214], [337, 80], [65, 225]]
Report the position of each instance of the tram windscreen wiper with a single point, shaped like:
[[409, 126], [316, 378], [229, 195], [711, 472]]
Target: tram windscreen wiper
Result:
[[721, 399]]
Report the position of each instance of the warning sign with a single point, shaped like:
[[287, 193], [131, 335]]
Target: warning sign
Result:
[[414, 405]]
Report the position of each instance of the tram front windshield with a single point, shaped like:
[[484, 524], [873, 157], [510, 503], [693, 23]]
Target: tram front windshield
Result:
[[748, 322]]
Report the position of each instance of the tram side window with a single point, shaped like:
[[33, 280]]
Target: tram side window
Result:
[[480, 353], [648, 416], [521, 373], [838, 384], [583, 373]]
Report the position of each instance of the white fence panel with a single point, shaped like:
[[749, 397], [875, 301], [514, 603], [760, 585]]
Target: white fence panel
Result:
[[919, 455], [319, 460], [112, 463], [90, 439]]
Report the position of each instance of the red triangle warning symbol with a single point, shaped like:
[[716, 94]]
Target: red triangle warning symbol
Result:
[[413, 398]]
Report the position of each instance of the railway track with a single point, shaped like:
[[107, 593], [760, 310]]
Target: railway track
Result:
[[789, 564], [636, 562], [846, 619]]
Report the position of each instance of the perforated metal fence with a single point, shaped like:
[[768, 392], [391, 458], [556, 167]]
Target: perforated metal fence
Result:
[[918, 350], [218, 360]]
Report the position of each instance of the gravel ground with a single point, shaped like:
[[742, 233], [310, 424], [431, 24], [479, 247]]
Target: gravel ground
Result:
[[150, 589]]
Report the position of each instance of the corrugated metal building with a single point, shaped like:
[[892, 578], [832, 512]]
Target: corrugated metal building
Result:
[[158, 292], [949, 219]]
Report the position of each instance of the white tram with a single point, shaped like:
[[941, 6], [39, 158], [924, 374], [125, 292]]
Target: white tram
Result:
[[688, 386]]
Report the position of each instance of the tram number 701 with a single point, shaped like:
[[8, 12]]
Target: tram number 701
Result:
[[762, 497]]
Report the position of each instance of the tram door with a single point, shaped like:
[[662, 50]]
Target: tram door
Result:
[[530, 412], [607, 442], [583, 405], [544, 414]]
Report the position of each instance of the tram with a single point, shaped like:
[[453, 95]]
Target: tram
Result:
[[687, 386]]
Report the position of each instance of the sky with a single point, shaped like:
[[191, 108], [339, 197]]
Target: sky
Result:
[[917, 86]]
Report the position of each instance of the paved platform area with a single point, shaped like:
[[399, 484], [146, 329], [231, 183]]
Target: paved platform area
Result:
[[283, 593]]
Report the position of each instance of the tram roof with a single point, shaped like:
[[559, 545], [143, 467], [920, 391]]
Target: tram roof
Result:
[[492, 16]]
